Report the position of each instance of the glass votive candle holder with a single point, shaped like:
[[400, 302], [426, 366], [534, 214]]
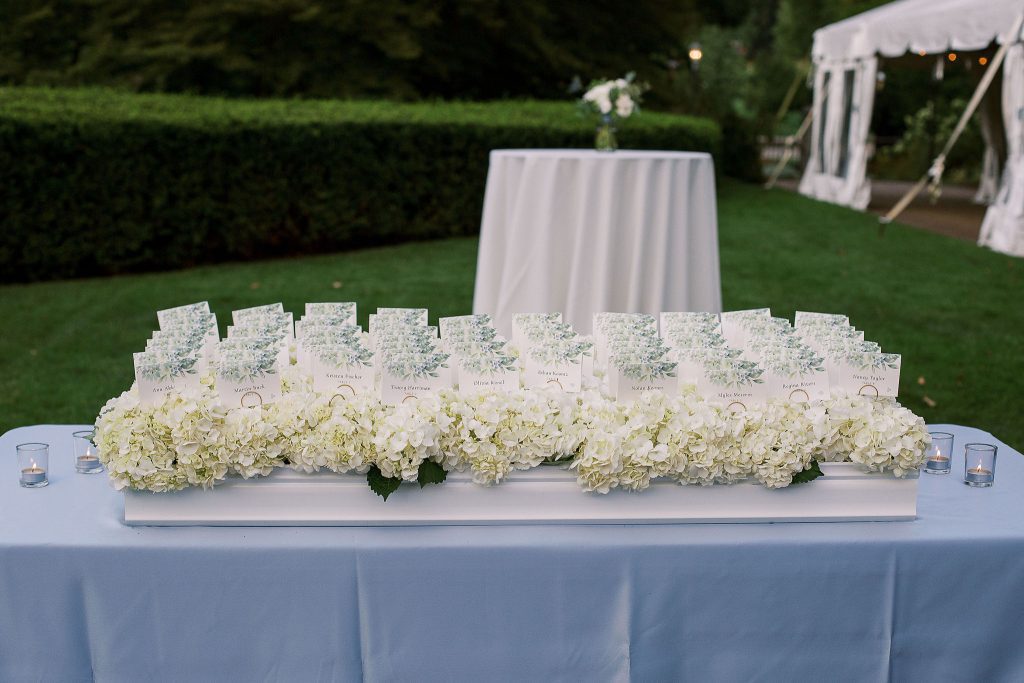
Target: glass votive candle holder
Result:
[[979, 464], [939, 455], [87, 461], [33, 461]]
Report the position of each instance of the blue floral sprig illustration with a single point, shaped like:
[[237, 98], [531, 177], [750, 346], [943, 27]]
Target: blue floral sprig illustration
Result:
[[646, 372], [487, 364], [343, 356], [873, 361], [414, 365], [557, 352], [160, 367]]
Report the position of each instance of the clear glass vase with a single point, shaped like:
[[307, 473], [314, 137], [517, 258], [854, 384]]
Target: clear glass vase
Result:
[[605, 140]]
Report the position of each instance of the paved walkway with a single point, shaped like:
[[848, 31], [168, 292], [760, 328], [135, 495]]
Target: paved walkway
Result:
[[955, 214]]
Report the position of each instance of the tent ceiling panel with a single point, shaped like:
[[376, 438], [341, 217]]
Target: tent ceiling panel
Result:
[[930, 26]]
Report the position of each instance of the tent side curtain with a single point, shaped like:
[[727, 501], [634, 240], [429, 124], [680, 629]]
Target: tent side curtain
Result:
[[1003, 227], [844, 94]]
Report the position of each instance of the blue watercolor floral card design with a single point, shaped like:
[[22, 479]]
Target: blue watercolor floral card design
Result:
[[342, 370], [735, 383], [160, 373], [340, 311], [410, 375], [795, 374], [555, 363], [870, 373], [485, 370], [246, 378]]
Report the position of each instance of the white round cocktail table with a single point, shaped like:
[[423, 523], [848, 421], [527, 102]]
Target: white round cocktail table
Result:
[[581, 232]]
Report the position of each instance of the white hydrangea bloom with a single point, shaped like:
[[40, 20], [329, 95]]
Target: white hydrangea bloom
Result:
[[624, 105], [191, 440]]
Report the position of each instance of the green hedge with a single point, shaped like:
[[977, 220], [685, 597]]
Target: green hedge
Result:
[[98, 182]]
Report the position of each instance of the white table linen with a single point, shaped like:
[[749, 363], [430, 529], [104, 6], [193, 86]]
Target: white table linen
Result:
[[580, 232]]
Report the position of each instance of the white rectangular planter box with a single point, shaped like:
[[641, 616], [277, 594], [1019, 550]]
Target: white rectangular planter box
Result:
[[545, 495]]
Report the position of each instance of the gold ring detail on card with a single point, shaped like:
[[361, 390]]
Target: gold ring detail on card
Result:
[[742, 406], [793, 396], [251, 399], [341, 397], [870, 388]]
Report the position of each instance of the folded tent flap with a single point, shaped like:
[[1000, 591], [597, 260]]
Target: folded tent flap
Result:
[[846, 60]]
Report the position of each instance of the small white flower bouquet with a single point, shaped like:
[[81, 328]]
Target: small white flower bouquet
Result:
[[615, 99]]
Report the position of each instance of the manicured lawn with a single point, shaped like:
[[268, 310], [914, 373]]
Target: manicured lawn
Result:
[[952, 309]]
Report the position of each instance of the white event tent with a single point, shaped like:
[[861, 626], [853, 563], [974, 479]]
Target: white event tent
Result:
[[845, 56]]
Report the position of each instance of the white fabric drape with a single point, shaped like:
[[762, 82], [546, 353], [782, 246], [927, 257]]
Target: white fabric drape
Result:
[[988, 186], [837, 168], [1003, 228]]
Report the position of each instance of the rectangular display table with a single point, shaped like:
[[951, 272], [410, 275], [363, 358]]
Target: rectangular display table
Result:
[[84, 597]]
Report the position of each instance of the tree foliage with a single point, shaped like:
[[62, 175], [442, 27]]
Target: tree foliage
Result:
[[478, 49]]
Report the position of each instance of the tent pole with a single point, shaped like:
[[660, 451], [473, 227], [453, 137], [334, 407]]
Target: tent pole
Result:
[[934, 174]]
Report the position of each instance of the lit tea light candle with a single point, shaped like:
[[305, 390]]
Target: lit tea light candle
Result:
[[938, 460], [87, 463], [978, 475], [87, 460], [32, 461], [33, 476]]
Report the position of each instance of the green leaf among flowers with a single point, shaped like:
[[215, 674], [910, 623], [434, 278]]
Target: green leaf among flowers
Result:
[[810, 474], [430, 473], [381, 485]]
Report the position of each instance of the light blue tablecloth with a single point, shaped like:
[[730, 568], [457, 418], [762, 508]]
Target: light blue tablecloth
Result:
[[82, 596]]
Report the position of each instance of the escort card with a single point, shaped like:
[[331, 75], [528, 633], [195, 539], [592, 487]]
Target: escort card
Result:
[[205, 323], [342, 371], [456, 324], [312, 328], [182, 315], [258, 344], [834, 352], [492, 372], [870, 374], [411, 375], [818, 337], [732, 324], [258, 323], [567, 376], [690, 362], [809, 319], [471, 335], [157, 374], [734, 383], [710, 322], [523, 324], [796, 377], [246, 378], [629, 380], [399, 316], [257, 313], [555, 363], [344, 311], [689, 339]]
